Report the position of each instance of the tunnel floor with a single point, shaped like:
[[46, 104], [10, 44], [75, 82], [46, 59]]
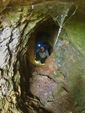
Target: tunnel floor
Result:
[[46, 97]]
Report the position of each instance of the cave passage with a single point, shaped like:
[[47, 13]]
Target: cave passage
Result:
[[41, 82], [44, 34], [42, 49]]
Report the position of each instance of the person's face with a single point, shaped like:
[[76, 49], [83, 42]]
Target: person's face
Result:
[[42, 48]]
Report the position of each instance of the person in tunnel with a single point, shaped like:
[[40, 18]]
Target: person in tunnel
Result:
[[42, 54]]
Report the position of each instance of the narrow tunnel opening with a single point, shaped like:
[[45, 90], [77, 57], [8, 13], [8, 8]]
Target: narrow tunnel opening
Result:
[[42, 48], [38, 82], [44, 35]]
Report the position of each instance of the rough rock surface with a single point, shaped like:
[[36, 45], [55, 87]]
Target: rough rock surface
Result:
[[46, 90], [71, 63], [17, 94], [43, 88]]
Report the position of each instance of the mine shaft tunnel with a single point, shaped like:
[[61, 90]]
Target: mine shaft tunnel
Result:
[[38, 81], [45, 33]]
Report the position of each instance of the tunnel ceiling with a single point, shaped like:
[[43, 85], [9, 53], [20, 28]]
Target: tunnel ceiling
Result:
[[12, 3], [26, 2]]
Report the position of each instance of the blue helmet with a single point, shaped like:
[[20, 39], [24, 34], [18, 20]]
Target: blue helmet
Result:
[[40, 45]]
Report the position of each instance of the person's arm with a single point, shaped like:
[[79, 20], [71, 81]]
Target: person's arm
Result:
[[47, 53]]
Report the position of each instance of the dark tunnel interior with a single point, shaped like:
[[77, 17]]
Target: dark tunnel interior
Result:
[[44, 33]]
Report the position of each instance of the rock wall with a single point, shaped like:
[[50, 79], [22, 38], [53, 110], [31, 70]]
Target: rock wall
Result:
[[69, 56], [16, 27]]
